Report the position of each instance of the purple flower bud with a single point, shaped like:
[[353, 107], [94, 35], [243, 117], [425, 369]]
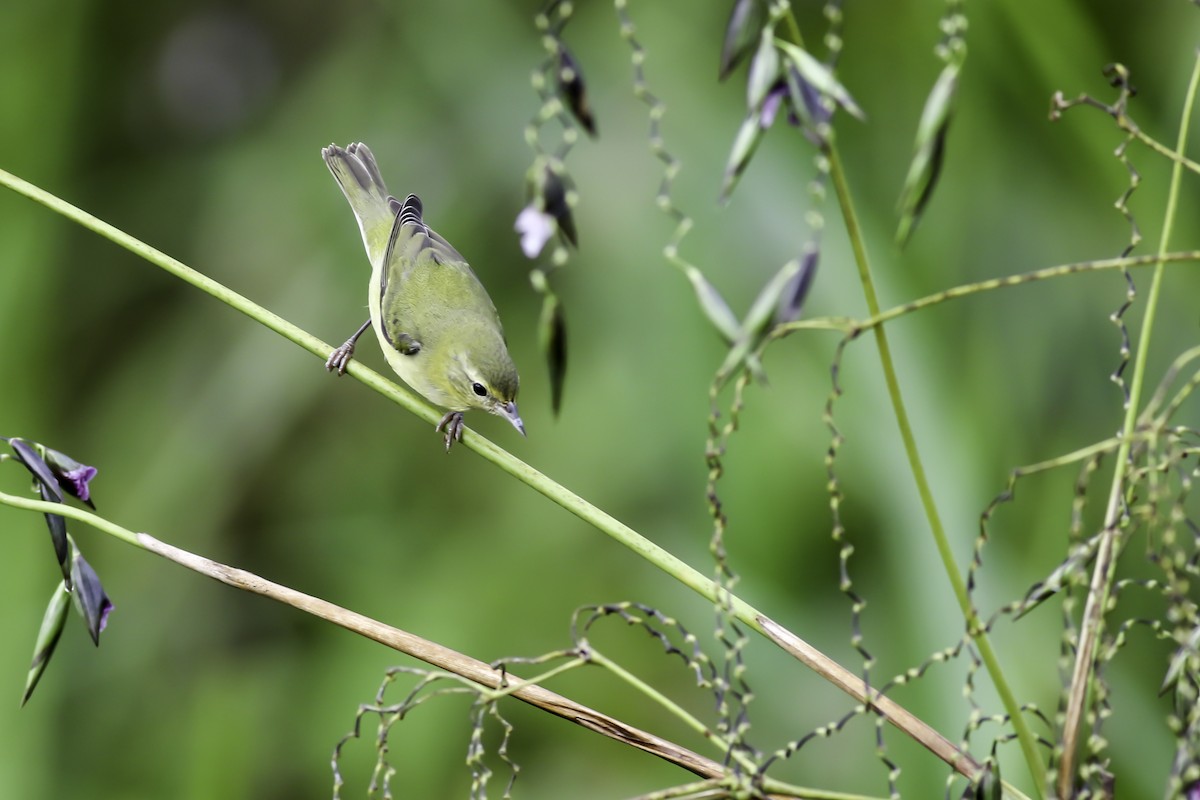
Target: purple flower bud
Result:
[[792, 300], [552, 335], [27, 454], [58, 532], [746, 20], [105, 610], [91, 601], [783, 95], [771, 104], [72, 476], [573, 87], [555, 190]]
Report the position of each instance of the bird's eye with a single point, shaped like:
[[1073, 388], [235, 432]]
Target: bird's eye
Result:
[[479, 389]]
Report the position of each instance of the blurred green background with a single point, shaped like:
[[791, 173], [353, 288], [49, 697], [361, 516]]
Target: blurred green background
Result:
[[196, 127]]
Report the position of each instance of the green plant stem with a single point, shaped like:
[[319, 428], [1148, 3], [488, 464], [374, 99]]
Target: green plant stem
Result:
[[975, 627], [514, 686], [667, 562], [1020, 279], [600, 660], [1176, 155], [1104, 570], [848, 325]]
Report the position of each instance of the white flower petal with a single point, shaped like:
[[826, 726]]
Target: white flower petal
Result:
[[536, 227]]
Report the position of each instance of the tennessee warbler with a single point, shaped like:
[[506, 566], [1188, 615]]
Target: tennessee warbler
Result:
[[437, 326]]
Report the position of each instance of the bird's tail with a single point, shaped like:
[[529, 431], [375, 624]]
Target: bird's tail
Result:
[[358, 175]]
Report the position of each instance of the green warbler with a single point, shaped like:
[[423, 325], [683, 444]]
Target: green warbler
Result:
[[437, 326]]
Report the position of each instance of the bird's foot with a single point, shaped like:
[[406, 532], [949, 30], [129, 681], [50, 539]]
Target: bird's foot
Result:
[[452, 425], [339, 358]]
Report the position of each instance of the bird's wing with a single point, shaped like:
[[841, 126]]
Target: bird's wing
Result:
[[421, 271]]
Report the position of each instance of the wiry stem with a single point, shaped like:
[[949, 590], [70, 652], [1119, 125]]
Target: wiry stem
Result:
[[1102, 573], [848, 325]]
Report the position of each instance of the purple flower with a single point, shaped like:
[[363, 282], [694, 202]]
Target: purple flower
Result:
[[72, 476], [104, 612], [76, 481], [803, 103], [771, 103], [779, 95]]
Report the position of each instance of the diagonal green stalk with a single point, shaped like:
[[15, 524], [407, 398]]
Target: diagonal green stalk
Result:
[[975, 627], [814, 659], [1105, 567]]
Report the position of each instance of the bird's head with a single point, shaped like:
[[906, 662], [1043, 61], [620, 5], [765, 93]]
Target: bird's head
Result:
[[481, 374]]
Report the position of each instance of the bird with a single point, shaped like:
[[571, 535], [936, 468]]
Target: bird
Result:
[[437, 325]]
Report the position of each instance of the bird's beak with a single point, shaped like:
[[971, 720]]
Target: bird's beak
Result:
[[509, 412]]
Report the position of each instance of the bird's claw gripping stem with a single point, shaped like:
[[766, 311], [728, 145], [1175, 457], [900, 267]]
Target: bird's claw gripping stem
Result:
[[340, 357], [452, 425]]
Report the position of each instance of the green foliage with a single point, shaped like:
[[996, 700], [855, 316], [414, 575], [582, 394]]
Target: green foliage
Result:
[[224, 439]]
